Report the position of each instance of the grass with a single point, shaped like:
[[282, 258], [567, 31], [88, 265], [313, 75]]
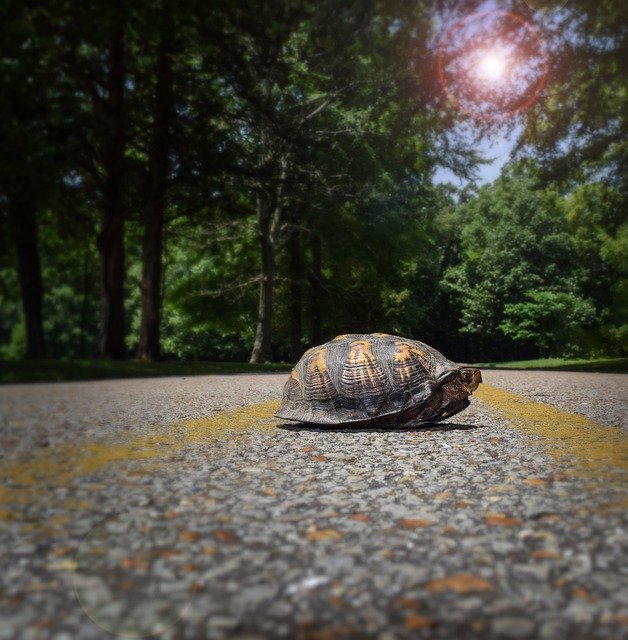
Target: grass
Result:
[[66, 370], [62, 370], [608, 365]]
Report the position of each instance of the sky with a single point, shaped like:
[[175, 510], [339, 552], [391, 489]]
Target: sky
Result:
[[498, 148]]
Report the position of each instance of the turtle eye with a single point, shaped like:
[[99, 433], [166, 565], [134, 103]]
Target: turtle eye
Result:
[[466, 375]]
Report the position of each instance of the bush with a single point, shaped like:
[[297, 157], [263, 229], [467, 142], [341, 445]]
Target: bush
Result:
[[554, 321]]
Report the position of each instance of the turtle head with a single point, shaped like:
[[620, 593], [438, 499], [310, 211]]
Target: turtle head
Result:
[[470, 378]]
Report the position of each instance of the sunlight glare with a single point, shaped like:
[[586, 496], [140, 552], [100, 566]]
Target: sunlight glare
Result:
[[492, 66]]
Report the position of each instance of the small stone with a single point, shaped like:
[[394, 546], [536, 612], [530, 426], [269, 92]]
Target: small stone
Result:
[[63, 565], [580, 565], [414, 622], [24, 549], [111, 611], [582, 594], [546, 554], [222, 622], [317, 535], [280, 609], [117, 527], [580, 611], [501, 520], [257, 594], [513, 627], [224, 535], [535, 508], [173, 587], [91, 590], [460, 583], [552, 629], [360, 517], [502, 546], [415, 523], [307, 584], [468, 604], [538, 571], [188, 536]]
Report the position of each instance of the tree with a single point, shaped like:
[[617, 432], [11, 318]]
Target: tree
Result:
[[111, 238], [596, 215], [295, 253], [579, 124], [514, 241], [23, 224], [27, 162], [209, 311], [553, 321], [158, 161], [577, 132], [88, 58], [302, 84]]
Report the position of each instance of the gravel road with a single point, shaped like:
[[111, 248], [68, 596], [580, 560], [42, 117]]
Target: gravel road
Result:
[[112, 520]]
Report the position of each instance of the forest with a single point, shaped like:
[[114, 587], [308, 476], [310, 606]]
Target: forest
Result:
[[240, 181]]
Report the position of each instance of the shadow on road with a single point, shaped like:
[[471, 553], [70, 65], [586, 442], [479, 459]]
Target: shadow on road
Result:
[[448, 426]]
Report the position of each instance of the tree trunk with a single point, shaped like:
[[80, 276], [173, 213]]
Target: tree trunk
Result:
[[152, 242], [315, 291], [111, 238], [24, 226], [269, 219], [262, 351], [85, 297], [296, 348]]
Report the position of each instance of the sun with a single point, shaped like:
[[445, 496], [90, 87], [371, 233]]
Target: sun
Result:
[[492, 66]]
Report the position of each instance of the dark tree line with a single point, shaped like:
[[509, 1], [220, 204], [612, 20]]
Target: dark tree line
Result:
[[199, 180]]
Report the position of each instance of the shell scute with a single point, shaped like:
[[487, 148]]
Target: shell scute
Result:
[[409, 373], [363, 378], [318, 385]]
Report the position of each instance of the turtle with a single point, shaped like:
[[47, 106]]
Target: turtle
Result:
[[376, 379]]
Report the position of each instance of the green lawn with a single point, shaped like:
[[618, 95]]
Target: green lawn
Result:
[[619, 365], [59, 370]]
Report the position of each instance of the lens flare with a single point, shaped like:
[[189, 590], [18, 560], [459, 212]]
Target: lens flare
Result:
[[492, 65]]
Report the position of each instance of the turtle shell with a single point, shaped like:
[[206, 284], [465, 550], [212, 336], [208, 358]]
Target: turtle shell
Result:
[[375, 379]]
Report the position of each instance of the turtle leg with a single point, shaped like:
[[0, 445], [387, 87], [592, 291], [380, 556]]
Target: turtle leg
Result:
[[446, 412], [453, 410]]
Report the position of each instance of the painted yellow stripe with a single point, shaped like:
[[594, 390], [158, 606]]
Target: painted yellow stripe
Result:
[[594, 449], [27, 480]]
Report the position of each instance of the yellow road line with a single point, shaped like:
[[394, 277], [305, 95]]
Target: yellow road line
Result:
[[593, 448], [25, 480]]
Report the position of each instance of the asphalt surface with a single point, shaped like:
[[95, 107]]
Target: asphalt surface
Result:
[[138, 507]]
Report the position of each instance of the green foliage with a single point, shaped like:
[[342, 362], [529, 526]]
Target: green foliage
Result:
[[12, 331], [579, 126], [70, 273], [596, 213], [211, 285], [15, 346], [551, 320], [512, 241], [382, 258], [61, 370], [346, 93]]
